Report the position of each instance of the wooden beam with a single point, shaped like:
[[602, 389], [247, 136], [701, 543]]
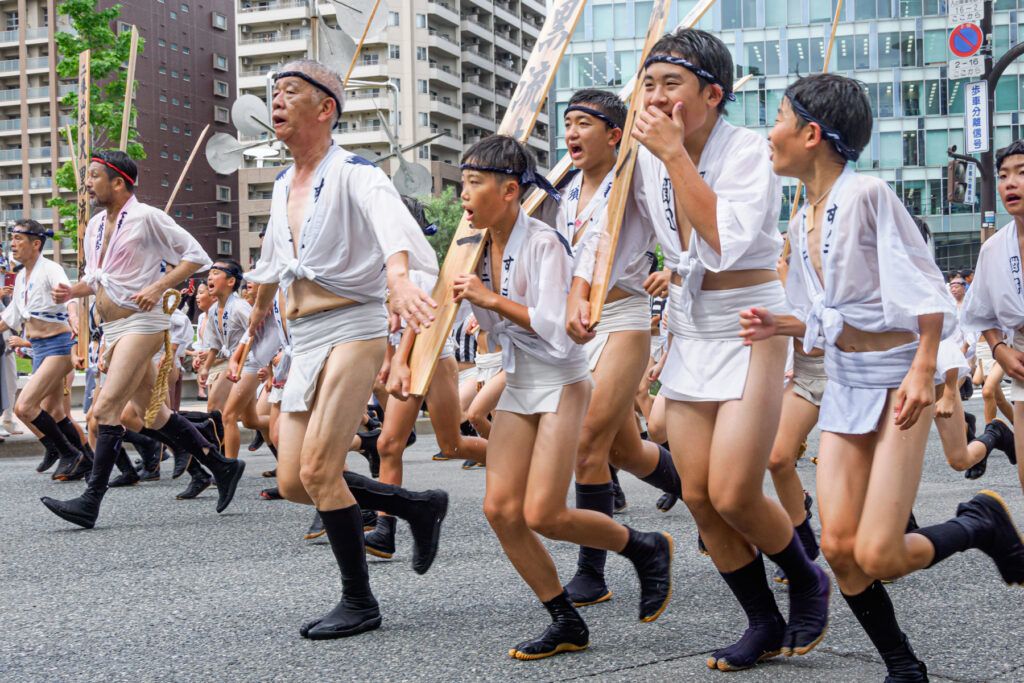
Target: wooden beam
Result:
[[188, 163], [359, 45], [84, 152], [129, 89]]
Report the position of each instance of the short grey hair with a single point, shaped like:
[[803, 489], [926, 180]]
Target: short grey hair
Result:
[[325, 75]]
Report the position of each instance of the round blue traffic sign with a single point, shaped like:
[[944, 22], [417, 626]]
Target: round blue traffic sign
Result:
[[965, 40]]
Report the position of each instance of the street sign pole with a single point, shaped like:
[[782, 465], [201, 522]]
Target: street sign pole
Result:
[[987, 170]]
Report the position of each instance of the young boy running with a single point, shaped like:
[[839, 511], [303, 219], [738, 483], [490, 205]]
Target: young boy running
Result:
[[532, 445], [865, 288]]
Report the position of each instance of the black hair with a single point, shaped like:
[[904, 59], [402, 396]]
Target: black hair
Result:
[[504, 152], [703, 50], [34, 226], [605, 102], [123, 163], [236, 268], [1015, 147], [838, 102]]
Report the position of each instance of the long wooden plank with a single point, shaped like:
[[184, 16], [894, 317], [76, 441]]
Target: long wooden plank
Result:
[[181, 178], [559, 170], [84, 152], [622, 185], [359, 45], [468, 243], [129, 88]]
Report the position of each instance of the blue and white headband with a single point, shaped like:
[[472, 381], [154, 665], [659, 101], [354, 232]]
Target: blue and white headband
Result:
[[313, 82], [690, 66], [526, 177], [28, 231], [595, 113], [832, 135]]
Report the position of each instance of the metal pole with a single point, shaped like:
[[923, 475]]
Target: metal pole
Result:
[[988, 189]]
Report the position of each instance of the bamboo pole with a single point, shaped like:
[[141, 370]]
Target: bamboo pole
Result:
[[83, 152], [366, 29], [188, 163]]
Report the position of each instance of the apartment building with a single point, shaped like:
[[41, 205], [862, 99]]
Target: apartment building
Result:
[[450, 66], [186, 80]]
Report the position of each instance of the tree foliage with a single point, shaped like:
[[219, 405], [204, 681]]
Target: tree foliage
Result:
[[444, 211], [92, 29]]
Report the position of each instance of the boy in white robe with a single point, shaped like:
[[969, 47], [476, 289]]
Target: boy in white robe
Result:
[[865, 282], [995, 300], [707, 188], [532, 445]]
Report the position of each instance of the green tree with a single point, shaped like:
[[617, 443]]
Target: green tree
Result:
[[445, 212], [92, 30]]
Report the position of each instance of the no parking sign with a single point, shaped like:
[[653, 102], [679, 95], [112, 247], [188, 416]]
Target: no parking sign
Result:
[[965, 40]]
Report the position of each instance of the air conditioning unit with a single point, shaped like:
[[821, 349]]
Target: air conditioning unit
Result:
[[244, 29]]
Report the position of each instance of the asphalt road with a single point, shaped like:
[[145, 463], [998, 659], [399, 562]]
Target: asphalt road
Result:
[[165, 589]]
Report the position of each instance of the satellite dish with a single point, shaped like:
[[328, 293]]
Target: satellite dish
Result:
[[336, 48], [367, 154], [250, 116], [261, 152], [413, 180], [352, 16], [224, 153]]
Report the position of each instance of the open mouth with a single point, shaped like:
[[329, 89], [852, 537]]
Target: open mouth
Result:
[[278, 120], [1012, 198], [575, 151], [469, 213]]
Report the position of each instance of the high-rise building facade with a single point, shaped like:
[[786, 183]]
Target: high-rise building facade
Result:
[[897, 48], [453, 64], [185, 80]]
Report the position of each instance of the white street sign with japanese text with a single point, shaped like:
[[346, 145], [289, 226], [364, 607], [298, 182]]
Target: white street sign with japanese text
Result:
[[971, 67], [971, 196], [976, 117], [965, 11]]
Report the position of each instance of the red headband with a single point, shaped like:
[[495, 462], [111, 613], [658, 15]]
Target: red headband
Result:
[[110, 165]]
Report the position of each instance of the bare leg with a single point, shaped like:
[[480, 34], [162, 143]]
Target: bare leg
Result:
[[484, 404], [798, 419], [240, 405], [443, 397], [656, 427]]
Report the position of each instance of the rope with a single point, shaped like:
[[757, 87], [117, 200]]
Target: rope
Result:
[[172, 298]]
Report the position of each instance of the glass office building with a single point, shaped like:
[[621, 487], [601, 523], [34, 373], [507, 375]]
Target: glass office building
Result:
[[897, 48]]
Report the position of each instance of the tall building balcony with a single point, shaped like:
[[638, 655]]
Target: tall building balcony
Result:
[[275, 11], [294, 41], [444, 11]]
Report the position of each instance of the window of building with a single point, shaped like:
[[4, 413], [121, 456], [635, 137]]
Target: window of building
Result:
[[185, 50], [224, 246], [343, 127], [184, 8], [12, 21], [175, 101], [393, 18], [162, 70], [421, 21], [189, 214], [186, 78], [423, 119], [174, 15], [161, 42], [220, 21], [188, 186], [187, 104], [174, 74], [220, 114], [174, 46], [176, 156], [421, 85], [223, 219], [188, 131], [220, 88], [163, 154], [394, 52], [165, 183], [163, 125], [424, 152], [421, 54], [175, 129], [177, 213], [163, 98], [220, 62], [223, 193], [122, 27]]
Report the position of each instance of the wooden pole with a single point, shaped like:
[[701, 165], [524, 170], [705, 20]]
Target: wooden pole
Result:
[[84, 151], [188, 163], [129, 87], [74, 153], [359, 46]]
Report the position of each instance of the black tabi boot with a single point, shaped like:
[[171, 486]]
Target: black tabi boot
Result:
[[566, 633], [84, 510], [369, 518], [368, 449], [588, 586], [257, 442], [316, 528], [424, 511], [765, 626], [807, 539], [357, 611], [984, 523], [272, 493], [972, 426], [149, 450], [201, 481], [381, 541], [666, 478], [182, 459], [651, 555], [51, 455], [998, 435], [809, 591], [180, 433], [467, 429], [84, 467], [874, 611], [128, 476], [618, 495], [67, 428], [70, 457]]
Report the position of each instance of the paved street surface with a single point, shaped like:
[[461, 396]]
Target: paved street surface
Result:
[[169, 590]]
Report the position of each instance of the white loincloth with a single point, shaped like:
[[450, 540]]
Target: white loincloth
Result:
[[313, 338], [809, 378], [951, 357], [536, 386], [629, 314], [142, 322], [263, 350], [467, 374], [858, 385], [487, 366], [1016, 386], [707, 360]]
